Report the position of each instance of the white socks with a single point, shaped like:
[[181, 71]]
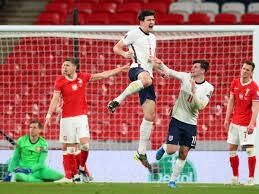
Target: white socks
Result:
[[178, 168], [145, 131], [132, 88]]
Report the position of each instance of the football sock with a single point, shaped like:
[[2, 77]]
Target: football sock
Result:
[[132, 88], [145, 131], [177, 169]]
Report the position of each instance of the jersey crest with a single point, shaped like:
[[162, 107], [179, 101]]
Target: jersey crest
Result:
[[74, 87], [38, 149]]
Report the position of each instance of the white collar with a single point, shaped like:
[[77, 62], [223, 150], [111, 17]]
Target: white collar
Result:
[[245, 83], [71, 79]]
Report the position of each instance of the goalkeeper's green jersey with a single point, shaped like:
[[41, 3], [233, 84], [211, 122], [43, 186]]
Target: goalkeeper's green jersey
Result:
[[28, 154]]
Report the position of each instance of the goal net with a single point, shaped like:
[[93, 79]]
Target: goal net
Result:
[[31, 61]]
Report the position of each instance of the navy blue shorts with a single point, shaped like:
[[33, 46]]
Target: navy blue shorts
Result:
[[146, 93], [181, 133]]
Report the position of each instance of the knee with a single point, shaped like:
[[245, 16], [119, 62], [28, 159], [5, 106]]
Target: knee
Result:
[[170, 152], [183, 154], [232, 153], [71, 150], [146, 81], [250, 152], [150, 116], [85, 146]]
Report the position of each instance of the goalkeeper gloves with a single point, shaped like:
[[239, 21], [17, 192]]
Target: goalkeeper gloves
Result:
[[8, 177], [23, 170]]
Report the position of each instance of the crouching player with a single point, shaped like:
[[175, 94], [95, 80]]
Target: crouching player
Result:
[[28, 162]]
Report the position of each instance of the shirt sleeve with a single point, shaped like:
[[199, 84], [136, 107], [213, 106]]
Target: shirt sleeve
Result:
[[232, 87], [129, 38], [16, 157], [57, 86], [87, 77], [255, 94], [201, 100]]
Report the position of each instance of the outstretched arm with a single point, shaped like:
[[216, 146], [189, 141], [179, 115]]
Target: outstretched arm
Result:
[[106, 74], [158, 64]]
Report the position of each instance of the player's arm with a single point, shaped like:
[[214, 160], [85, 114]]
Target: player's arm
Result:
[[230, 108], [255, 109], [15, 160], [41, 162], [202, 100], [52, 108], [158, 64], [159, 70], [107, 74], [125, 41]]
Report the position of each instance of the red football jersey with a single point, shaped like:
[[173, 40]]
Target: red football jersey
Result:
[[244, 94], [73, 93]]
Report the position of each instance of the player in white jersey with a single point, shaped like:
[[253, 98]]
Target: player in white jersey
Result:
[[142, 45], [195, 93]]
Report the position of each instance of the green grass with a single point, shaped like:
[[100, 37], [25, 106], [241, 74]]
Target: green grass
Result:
[[123, 188]]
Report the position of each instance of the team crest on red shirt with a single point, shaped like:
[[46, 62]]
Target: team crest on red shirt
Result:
[[74, 87], [38, 149]]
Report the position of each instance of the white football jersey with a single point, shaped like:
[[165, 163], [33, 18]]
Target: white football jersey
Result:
[[184, 108], [143, 45]]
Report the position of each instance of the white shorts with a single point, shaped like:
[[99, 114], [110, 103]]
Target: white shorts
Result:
[[73, 128], [238, 135]]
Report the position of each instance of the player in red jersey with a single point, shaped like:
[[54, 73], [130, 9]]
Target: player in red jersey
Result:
[[243, 102], [74, 127]]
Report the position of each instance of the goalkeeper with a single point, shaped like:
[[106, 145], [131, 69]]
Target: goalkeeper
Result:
[[28, 162]]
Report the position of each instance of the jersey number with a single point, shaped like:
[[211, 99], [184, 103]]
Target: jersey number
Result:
[[189, 99], [247, 90], [193, 141]]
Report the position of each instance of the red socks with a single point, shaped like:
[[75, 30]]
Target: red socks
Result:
[[83, 157], [234, 162], [70, 167], [79, 159], [251, 165]]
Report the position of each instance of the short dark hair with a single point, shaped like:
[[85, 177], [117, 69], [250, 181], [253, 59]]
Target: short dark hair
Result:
[[145, 13], [204, 64], [36, 122], [72, 60], [250, 63]]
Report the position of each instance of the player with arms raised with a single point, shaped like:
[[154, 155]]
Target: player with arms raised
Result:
[[142, 45], [74, 126], [195, 93], [244, 103]]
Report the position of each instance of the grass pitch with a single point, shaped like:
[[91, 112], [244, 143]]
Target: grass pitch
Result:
[[123, 188]]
